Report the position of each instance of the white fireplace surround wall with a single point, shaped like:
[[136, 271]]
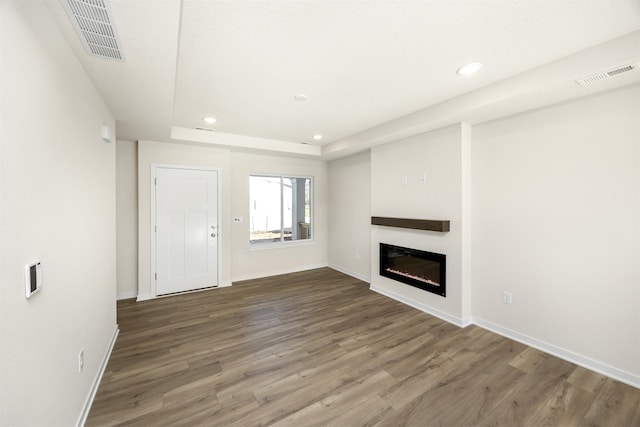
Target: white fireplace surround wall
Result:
[[431, 183]]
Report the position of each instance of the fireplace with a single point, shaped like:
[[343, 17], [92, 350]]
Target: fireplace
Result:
[[421, 269]]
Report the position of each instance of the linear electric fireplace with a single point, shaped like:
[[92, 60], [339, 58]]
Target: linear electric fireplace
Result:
[[422, 269]]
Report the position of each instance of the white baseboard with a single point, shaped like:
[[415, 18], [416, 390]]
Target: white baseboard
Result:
[[593, 365], [96, 382], [461, 322], [144, 297], [277, 272], [127, 295], [350, 273], [601, 368]]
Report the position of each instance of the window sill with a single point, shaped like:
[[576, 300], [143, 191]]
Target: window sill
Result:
[[281, 245]]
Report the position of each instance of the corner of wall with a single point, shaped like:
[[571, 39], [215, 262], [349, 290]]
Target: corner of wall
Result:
[[465, 195]]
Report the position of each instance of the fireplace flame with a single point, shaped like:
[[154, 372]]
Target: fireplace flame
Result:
[[413, 276]]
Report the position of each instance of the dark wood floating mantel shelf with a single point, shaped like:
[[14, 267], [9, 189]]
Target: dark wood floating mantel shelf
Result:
[[416, 224]]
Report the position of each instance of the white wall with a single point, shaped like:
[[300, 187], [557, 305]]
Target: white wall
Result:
[[237, 261], [440, 156], [292, 257], [350, 215], [178, 154], [127, 218], [556, 222], [57, 189]]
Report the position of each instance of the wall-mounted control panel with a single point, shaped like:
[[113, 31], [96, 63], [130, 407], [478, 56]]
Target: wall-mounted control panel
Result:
[[32, 277]]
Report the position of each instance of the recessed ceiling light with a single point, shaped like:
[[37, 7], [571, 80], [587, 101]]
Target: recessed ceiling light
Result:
[[300, 97], [469, 69], [210, 120], [317, 137]]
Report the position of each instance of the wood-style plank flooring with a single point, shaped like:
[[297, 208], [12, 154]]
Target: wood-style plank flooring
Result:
[[318, 348]]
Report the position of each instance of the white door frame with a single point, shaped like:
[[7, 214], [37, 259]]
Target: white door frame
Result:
[[152, 275]]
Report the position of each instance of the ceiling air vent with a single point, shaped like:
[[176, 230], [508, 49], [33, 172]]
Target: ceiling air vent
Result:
[[93, 21], [205, 129], [613, 72]]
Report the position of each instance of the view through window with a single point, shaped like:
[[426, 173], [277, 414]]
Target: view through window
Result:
[[280, 208]]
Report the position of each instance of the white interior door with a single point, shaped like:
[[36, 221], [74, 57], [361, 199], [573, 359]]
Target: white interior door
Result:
[[186, 229]]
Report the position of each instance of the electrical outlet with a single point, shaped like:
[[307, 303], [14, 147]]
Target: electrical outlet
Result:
[[423, 178], [80, 360], [506, 297], [237, 219]]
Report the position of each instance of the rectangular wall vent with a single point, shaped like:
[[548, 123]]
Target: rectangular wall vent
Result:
[[94, 23], [602, 76]]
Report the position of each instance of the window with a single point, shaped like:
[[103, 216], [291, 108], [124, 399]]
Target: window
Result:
[[280, 208]]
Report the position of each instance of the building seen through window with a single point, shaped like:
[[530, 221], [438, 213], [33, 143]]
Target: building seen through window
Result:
[[280, 209]]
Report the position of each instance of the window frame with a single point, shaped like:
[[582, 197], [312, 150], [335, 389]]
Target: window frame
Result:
[[284, 243]]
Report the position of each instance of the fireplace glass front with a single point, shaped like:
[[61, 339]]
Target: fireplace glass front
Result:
[[421, 269]]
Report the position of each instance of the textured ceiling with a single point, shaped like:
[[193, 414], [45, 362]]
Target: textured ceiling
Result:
[[361, 63]]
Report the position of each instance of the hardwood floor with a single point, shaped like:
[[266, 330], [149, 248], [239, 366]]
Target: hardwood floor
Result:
[[318, 348]]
